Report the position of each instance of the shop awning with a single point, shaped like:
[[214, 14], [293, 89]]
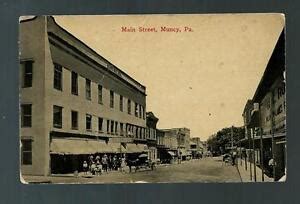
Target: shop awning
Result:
[[78, 146], [171, 153], [117, 148], [135, 148]]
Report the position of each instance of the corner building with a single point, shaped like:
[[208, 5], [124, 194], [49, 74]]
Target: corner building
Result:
[[73, 101]]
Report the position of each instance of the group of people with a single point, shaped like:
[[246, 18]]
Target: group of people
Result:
[[103, 164]]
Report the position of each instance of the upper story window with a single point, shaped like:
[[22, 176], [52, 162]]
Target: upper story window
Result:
[[100, 124], [27, 67], [74, 120], [280, 91], [136, 109], [121, 129], [112, 127], [88, 122], [121, 103], [279, 109], [129, 106], [116, 127], [88, 92], [26, 152], [74, 83], [58, 77], [100, 99], [57, 116], [26, 115], [143, 111], [140, 111], [111, 104], [107, 126]]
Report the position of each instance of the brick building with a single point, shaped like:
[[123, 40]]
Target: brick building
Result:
[[73, 101]]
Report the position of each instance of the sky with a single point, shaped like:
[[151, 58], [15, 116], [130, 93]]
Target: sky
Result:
[[199, 79]]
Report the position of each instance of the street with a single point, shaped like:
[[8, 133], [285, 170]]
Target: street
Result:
[[204, 170]]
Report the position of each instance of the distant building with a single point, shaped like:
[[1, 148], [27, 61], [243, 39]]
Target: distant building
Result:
[[151, 121], [74, 102], [178, 141], [196, 147]]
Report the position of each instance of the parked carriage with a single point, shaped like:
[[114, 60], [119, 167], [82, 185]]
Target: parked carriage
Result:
[[142, 162]]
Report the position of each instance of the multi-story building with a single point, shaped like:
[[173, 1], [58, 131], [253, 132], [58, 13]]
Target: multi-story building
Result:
[[196, 147], [73, 101], [151, 121], [178, 141], [161, 146], [265, 115]]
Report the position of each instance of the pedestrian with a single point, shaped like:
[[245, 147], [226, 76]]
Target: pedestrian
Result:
[[271, 165], [109, 163], [98, 170], [114, 162], [97, 158], [123, 164], [85, 167], [91, 160], [233, 158], [93, 168], [104, 162]]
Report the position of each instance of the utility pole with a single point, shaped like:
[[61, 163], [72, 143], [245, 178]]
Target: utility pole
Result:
[[272, 131], [232, 137], [254, 159], [249, 158]]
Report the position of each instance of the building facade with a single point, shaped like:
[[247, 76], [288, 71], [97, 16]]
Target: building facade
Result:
[[151, 121], [196, 147], [177, 140], [73, 101], [265, 116]]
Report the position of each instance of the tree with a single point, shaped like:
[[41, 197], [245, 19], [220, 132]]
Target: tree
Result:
[[217, 143]]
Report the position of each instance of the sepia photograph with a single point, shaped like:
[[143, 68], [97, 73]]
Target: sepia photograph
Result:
[[161, 98]]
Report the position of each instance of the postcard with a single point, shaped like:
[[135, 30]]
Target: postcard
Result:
[[152, 98]]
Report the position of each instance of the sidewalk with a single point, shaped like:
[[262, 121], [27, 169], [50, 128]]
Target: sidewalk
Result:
[[245, 174]]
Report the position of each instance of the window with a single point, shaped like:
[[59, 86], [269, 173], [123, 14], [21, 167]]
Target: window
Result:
[[140, 111], [100, 94], [74, 119], [88, 122], [26, 152], [111, 104], [100, 123], [129, 106], [112, 127], [107, 127], [280, 91], [27, 70], [121, 129], [57, 116], [26, 115], [88, 93], [116, 128], [121, 103], [74, 83], [136, 111], [136, 132], [143, 108], [57, 77], [279, 109]]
